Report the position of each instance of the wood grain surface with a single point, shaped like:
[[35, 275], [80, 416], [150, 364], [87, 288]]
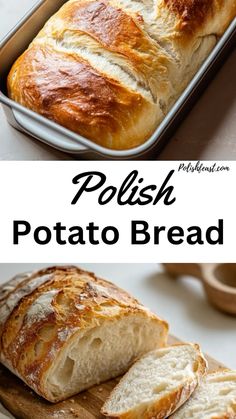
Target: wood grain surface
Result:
[[23, 403]]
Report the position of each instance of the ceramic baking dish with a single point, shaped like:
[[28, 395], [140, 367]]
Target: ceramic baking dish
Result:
[[63, 139]]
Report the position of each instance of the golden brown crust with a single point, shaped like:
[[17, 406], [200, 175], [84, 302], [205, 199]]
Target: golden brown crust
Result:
[[192, 13], [109, 25], [47, 308], [110, 73], [73, 94]]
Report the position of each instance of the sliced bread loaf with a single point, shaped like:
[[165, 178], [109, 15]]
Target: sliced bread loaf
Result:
[[63, 330], [215, 398], [157, 384]]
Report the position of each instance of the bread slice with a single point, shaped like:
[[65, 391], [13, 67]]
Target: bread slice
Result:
[[157, 384], [215, 398]]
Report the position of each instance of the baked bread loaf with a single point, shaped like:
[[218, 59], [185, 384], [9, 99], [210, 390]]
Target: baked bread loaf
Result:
[[111, 69], [215, 398], [62, 330], [157, 384]]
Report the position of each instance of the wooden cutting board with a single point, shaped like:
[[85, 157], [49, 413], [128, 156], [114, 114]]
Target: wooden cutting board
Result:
[[23, 403]]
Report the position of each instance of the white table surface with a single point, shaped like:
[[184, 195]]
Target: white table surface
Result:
[[182, 303], [209, 131]]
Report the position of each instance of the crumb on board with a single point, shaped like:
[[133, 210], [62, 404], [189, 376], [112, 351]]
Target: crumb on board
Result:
[[59, 414]]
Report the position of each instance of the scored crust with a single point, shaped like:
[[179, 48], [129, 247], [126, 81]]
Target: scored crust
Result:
[[41, 312], [111, 70]]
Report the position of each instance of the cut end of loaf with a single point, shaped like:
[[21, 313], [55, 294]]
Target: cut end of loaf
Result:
[[157, 384], [101, 353]]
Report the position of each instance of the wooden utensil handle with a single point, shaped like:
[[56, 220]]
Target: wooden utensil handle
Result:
[[216, 279], [177, 269]]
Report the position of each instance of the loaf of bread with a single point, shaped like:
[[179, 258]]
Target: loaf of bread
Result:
[[111, 70], [62, 330], [215, 398], [157, 384]]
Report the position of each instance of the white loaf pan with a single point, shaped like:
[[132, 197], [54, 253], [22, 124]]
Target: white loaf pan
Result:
[[63, 139]]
